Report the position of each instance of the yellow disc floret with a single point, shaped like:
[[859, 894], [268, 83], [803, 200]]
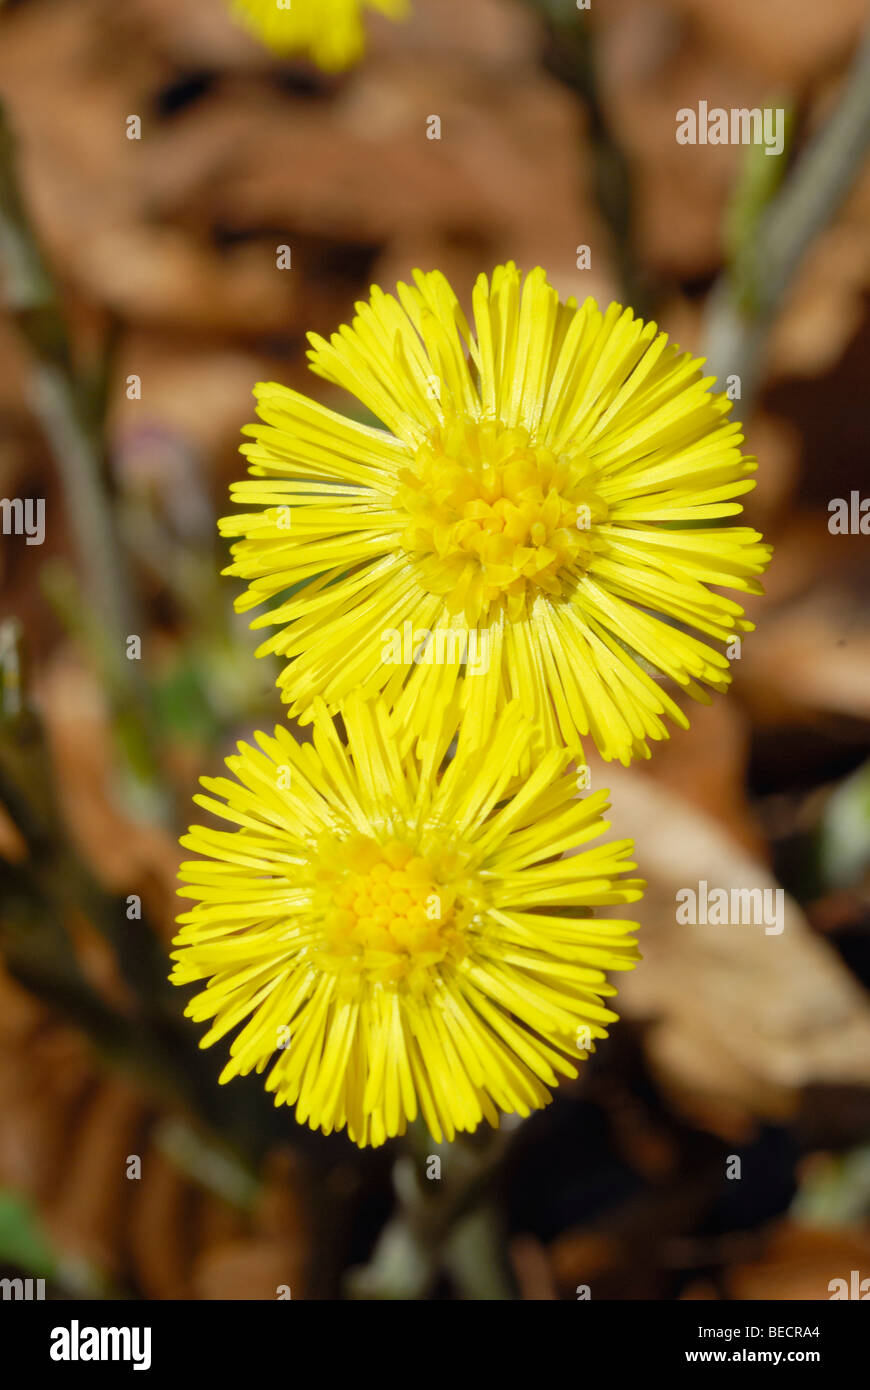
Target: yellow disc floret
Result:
[[389, 910], [493, 514]]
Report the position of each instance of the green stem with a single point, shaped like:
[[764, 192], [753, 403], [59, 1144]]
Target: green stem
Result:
[[570, 55], [443, 1224], [740, 315], [70, 414]]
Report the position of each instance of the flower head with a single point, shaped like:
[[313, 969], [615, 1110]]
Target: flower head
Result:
[[399, 935], [547, 489], [330, 32]]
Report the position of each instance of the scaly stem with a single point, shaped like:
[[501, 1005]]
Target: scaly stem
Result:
[[444, 1221]]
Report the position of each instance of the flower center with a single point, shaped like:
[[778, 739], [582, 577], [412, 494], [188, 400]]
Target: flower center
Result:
[[494, 516], [387, 909]]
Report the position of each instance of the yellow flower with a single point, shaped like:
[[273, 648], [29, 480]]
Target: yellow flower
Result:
[[398, 935], [330, 32], [546, 492]]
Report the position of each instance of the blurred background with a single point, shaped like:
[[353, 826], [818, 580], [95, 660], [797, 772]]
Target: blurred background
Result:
[[142, 301]]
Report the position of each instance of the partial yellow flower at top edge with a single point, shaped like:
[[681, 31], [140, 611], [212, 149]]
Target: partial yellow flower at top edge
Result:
[[329, 32], [537, 520], [394, 936]]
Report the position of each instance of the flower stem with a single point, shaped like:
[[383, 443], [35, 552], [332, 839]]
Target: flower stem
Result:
[[442, 1224]]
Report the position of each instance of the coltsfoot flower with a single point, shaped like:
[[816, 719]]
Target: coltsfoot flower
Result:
[[329, 32], [547, 489], [394, 936]]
